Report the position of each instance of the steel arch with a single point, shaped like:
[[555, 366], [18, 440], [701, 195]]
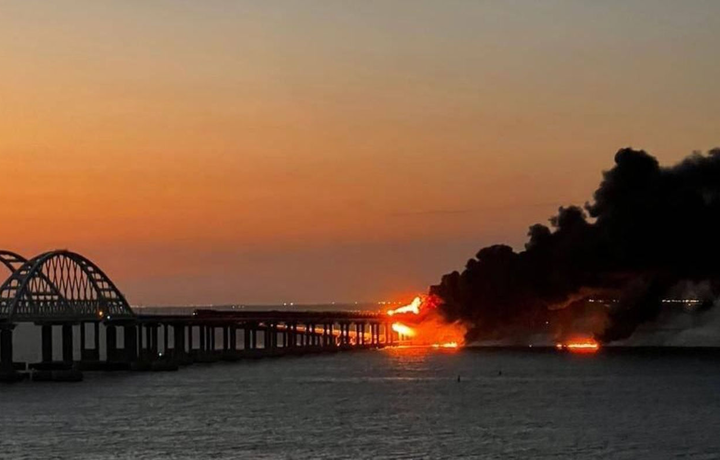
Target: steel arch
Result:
[[11, 260], [61, 285]]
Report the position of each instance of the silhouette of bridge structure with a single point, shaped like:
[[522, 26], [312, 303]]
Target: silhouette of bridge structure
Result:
[[67, 291]]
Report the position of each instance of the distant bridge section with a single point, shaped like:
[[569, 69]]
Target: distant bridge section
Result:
[[66, 290]]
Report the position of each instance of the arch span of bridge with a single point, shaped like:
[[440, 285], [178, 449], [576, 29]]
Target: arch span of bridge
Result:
[[58, 285]]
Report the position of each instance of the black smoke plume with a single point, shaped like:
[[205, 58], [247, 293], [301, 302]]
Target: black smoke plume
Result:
[[648, 231]]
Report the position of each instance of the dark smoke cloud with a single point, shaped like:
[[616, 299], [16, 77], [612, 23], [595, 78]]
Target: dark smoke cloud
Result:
[[648, 230]]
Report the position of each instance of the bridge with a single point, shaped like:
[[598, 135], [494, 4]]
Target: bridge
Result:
[[65, 290]]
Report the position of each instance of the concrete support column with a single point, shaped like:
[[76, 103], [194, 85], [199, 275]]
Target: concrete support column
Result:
[[166, 341], [211, 338], [111, 342], [226, 338], [190, 339], [203, 342], [47, 345], [67, 343], [154, 343], [6, 347], [148, 339], [233, 338], [362, 333], [96, 343], [247, 335], [140, 339], [131, 349], [82, 339], [179, 339]]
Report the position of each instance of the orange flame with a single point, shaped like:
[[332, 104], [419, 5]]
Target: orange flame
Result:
[[579, 346], [403, 330], [423, 326]]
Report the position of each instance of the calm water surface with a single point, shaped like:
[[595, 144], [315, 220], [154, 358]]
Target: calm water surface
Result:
[[379, 404]]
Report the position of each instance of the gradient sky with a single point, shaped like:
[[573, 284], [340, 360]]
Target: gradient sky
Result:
[[243, 151]]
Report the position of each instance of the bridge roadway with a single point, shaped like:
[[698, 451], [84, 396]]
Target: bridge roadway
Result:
[[65, 292]]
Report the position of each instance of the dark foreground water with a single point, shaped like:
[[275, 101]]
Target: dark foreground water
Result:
[[380, 404]]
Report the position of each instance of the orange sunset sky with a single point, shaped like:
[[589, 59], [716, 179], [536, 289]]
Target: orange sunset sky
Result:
[[256, 152]]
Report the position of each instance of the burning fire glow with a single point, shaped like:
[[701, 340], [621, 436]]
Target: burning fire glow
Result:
[[414, 307], [579, 346], [403, 330], [422, 325]]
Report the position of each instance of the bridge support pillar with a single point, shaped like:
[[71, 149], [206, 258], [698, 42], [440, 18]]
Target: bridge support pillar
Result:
[[233, 338], [111, 342], [166, 339], [67, 343], [131, 347], [203, 343], [190, 346], [226, 338], [246, 338], [82, 341], [154, 341], [179, 340], [146, 350], [47, 345], [6, 349]]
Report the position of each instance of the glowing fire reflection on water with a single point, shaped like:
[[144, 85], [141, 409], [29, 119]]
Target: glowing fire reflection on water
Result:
[[579, 346]]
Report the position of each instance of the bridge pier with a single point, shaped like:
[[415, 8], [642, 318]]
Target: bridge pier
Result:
[[166, 339], [8, 371], [67, 343], [203, 342], [190, 346], [131, 342], [246, 338], [179, 342], [110, 343], [46, 343]]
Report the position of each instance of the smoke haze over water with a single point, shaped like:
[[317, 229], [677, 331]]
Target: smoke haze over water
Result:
[[650, 233]]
